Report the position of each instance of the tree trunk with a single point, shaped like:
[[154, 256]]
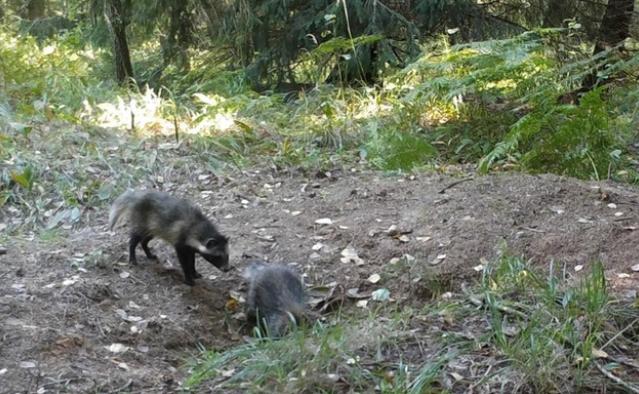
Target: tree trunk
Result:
[[35, 9], [615, 27], [115, 17], [558, 11], [179, 36]]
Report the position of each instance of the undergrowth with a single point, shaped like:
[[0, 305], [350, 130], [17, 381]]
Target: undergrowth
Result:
[[491, 103], [516, 330]]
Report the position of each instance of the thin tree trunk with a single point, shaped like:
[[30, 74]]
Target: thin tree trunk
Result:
[[179, 35], [36, 9], [615, 27], [116, 21], [557, 11]]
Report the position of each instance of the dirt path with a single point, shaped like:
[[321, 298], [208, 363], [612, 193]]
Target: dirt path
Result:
[[74, 317]]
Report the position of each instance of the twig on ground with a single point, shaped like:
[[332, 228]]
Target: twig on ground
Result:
[[611, 340], [616, 379], [506, 309], [442, 191], [124, 387]]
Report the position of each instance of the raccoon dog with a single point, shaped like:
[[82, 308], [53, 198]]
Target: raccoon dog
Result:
[[153, 214], [275, 297]]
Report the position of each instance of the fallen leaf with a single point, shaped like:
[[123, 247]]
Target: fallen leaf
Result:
[[143, 349], [598, 353], [456, 376], [117, 348], [409, 258], [438, 259], [392, 230], [447, 295], [374, 278], [349, 255], [333, 377], [324, 221], [355, 294], [380, 295], [229, 373], [232, 305], [71, 280]]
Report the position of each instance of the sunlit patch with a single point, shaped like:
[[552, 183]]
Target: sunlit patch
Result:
[[223, 122], [48, 50]]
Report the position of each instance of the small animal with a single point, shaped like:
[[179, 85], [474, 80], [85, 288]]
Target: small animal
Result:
[[275, 297], [154, 214]]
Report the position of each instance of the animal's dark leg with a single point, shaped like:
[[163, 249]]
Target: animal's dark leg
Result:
[[186, 255], [145, 247], [196, 274], [134, 240]]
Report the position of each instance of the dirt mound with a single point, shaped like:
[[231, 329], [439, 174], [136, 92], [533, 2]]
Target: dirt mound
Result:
[[75, 317]]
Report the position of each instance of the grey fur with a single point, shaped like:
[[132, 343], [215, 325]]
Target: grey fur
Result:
[[275, 297], [154, 214]]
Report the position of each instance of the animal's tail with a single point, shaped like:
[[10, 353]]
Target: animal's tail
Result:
[[121, 205]]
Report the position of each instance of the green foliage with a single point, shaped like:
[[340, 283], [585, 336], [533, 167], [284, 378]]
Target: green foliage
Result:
[[47, 80], [581, 141], [310, 361], [270, 37], [534, 321], [398, 151]]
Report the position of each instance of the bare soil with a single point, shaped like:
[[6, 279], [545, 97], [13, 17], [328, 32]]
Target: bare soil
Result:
[[75, 317]]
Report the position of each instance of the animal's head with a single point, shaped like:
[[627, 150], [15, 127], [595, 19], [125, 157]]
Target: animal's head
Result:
[[217, 252], [214, 248]]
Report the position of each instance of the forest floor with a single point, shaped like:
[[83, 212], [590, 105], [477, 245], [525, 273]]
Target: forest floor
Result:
[[75, 317]]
